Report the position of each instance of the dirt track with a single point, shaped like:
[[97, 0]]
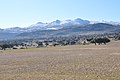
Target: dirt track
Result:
[[79, 62]]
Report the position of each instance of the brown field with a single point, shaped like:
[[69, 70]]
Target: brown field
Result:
[[78, 62]]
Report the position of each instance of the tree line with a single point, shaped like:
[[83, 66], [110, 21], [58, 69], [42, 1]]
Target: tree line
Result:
[[55, 41]]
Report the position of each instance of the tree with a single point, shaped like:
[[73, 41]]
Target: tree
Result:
[[99, 40], [102, 40], [40, 44], [4, 46], [106, 40]]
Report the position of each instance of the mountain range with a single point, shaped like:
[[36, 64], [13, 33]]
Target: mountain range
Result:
[[60, 28]]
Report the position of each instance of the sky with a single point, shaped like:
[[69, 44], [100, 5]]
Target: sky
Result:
[[23, 13]]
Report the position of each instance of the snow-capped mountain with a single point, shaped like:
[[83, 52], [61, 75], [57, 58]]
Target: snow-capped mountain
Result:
[[59, 27], [55, 25]]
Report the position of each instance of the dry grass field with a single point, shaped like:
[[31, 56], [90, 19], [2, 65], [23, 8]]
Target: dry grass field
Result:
[[78, 62]]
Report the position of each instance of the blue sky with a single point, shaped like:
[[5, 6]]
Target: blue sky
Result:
[[24, 13]]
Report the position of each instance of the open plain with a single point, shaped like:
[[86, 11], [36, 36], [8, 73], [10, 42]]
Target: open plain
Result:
[[77, 62]]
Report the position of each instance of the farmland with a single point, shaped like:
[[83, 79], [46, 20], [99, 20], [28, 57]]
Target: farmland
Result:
[[75, 62]]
